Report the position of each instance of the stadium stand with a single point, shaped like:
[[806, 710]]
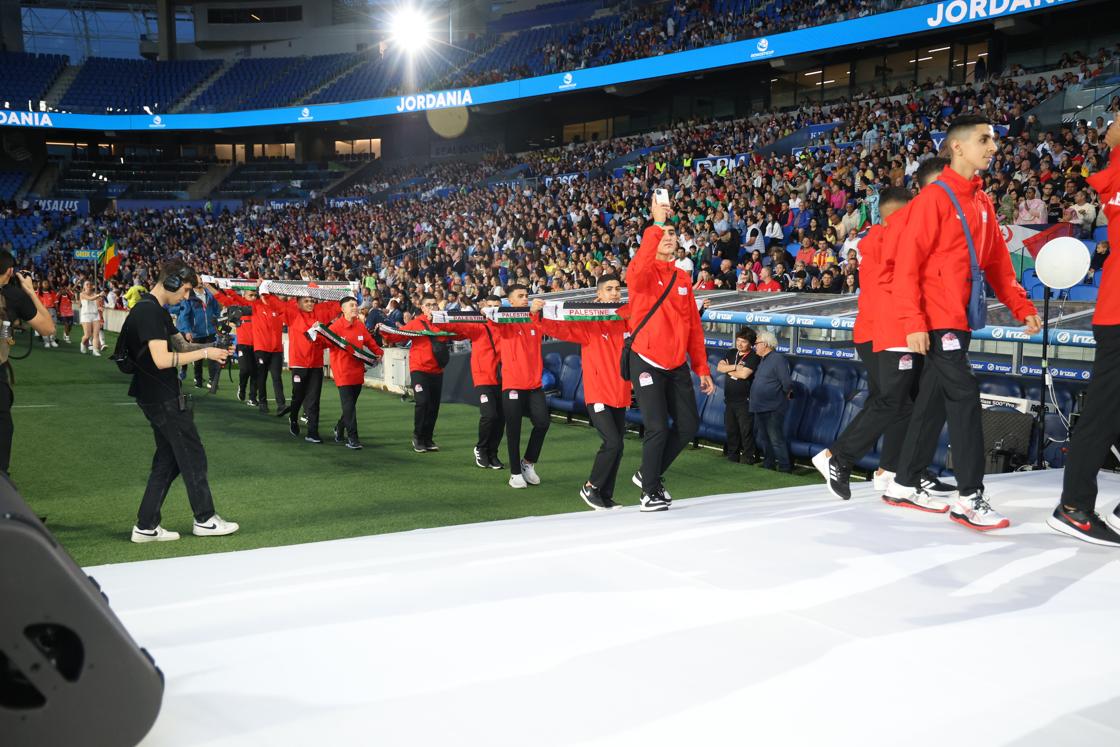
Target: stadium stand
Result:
[[26, 77], [105, 84], [133, 179], [258, 83], [10, 183]]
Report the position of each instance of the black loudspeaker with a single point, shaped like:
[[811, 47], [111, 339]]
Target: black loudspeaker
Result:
[[69, 672]]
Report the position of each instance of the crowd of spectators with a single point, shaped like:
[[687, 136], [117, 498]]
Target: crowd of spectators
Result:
[[783, 221]]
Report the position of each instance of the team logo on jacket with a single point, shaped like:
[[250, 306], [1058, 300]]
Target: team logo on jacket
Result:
[[682, 290]]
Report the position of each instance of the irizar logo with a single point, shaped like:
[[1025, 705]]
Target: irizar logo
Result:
[[157, 122], [763, 49], [305, 115], [1062, 338], [25, 119], [441, 100], [961, 11], [569, 82]]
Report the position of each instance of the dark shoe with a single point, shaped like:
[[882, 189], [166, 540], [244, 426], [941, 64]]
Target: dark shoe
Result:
[[496, 463], [431, 446], [637, 480], [252, 403], [263, 407], [836, 476], [733, 458], [418, 447], [1084, 525], [609, 503], [284, 410], [339, 435], [654, 502], [479, 461], [590, 496], [293, 428], [353, 443], [240, 394], [934, 486], [198, 384], [313, 438]]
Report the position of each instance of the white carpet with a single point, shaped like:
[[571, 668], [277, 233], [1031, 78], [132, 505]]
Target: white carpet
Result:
[[771, 618]]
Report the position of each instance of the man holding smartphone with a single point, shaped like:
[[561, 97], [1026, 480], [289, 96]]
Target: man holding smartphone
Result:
[[156, 349], [665, 330]]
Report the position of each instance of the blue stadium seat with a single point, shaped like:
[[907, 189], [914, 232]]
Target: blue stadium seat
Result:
[[843, 376], [1063, 394], [1030, 277], [1082, 293], [1003, 386], [570, 376], [1100, 233], [712, 427], [796, 410], [809, 374], [821, 422], [553, 362]]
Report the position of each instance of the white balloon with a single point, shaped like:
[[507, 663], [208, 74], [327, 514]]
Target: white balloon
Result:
[[1062, 262]]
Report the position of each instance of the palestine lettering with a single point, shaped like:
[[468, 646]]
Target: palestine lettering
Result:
[[959, 11], [25, 119], [441, 100]]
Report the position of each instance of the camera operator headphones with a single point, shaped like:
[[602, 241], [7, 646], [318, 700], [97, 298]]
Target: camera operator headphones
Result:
[[175, 282]]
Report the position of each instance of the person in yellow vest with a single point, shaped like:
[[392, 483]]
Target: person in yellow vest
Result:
[[132, 295]]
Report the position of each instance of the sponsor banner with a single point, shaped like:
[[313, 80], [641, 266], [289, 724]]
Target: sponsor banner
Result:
[[81, 207], [842, 34], [716, 163], [464, 146], [990, 366], [87, 253], [723, 344], [286, 202], [343, 202], [819, 352], [1072, 374], [563, 178]]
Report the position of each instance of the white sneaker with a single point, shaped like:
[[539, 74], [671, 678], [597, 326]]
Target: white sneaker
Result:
[[518, 481], [905, 497], [529, 473], [54, 343], [159, 534], [46, 342], [215, 526], [66, 339], [975, 513], [83, 348], [96, 352], [882, 480]]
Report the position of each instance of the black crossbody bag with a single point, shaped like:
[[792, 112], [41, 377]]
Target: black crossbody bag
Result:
[[624, 362]]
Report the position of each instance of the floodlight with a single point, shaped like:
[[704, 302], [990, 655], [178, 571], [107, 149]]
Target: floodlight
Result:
[[410, 29]]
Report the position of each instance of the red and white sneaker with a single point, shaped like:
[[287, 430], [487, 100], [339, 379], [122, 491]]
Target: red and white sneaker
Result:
[[975, 513], [915, 498]]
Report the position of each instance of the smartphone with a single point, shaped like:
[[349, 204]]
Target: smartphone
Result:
[[662, 196]]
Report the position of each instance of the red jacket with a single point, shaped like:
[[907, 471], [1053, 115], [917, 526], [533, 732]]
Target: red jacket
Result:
[[268, 335], [869, 298], [600, 348], [887, 328], [245, 329], [1107, 184], [674, 330], [302, 352], [485, 357], [931, 268], [519, 346], [348, 370], [420, 357]]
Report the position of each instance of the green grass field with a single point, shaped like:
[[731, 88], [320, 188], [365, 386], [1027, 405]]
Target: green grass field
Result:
[[82, 452]]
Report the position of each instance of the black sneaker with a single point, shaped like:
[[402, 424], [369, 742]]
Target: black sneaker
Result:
[[609, 503], [263, 407], [637, 480], [284, 410], [418, 447], [590, 496], [496, 463], [240, 394], [338, 435], [1084, 525], [655, 502], [1113, 519], [353, 443], [252, 403], [293, 428], [431, 446], [313, 438], [198, 384], [212, 386], [836, 475], [479, 461], [934, 486]]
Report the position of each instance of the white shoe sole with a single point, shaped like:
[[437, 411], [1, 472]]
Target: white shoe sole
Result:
[[1113, 521], [1066, 529], [650, 508], [634, 479], [592, 505], [142, 539], [199, 532], [516, 486]]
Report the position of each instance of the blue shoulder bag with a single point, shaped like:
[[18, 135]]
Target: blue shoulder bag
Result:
[[977, 297]]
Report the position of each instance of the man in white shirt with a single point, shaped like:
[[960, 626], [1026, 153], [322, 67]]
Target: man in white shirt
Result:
[[684, 262]]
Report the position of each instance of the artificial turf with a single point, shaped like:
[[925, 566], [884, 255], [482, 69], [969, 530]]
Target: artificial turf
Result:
[[83, 449]]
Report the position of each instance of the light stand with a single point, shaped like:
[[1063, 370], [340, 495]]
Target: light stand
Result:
[[1044, 380]]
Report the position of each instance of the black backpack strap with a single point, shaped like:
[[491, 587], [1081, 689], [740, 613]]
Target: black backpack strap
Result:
[[653, 309]]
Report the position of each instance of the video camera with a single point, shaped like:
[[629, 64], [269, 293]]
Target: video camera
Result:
[[229, 320]]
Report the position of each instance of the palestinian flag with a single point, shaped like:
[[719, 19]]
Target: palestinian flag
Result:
[[386, 329], [318, 329], [582, 311], [458, 317], [109, 260], [507, 315]]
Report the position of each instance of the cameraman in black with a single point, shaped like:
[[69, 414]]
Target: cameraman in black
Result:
[[18, 303], [156, 349]]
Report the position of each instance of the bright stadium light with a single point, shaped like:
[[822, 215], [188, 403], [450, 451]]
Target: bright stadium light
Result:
[[410, 30]]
